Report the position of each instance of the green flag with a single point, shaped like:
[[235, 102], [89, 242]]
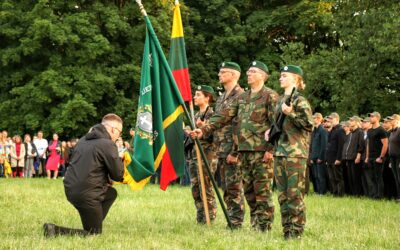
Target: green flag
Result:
[[159, 127]]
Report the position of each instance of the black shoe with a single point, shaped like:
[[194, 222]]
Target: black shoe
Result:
[[291, 235], [49, 230]]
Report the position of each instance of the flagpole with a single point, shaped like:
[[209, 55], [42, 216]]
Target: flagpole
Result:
[[192, 126], [201, 175]]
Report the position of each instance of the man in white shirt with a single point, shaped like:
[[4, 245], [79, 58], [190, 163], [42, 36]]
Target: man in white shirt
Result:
[[41, 146]]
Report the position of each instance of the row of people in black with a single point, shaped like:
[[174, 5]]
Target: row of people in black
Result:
[[358, 157]]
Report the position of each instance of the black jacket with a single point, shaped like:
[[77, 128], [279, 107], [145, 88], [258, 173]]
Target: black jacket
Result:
[[394, 143], [95, 159], [335, 144], [353, 145], [318, 144]]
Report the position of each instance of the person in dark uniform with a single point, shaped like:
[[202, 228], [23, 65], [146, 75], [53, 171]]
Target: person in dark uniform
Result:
[[334, 148], [377, 144], [394, 152], [88, 180]]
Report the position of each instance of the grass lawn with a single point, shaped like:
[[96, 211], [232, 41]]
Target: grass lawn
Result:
[[154, 219]]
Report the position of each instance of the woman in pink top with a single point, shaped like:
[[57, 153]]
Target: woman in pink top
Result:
[[53, 160]]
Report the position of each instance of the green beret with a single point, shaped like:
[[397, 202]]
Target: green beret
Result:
[[205, 88], [230, 65], [260, 65], [292, 69]]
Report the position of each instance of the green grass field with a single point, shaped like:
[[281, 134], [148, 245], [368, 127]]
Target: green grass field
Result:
[[154, 219]]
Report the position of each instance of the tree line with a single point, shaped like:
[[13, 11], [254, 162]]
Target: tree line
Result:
[[64, 64]]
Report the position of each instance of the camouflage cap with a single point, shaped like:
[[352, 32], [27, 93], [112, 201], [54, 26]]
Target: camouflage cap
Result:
[[355, 118], [230, 65], [205, 88], [394, 117], [334, 115], [366, 119], [259, 65], [292, 69], [375, 114], [387, 119]]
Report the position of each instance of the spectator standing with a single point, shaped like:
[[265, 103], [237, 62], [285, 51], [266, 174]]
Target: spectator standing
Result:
[[53, 161], [30, 156], [17, 154], [41, 147]]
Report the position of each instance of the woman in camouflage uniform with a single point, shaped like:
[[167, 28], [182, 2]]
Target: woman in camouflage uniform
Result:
[[203, 97], [291, 152]]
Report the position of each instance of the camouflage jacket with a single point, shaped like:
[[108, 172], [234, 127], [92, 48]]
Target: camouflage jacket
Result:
[[253, 114], [223, 138], [295, 138], [206, 141]]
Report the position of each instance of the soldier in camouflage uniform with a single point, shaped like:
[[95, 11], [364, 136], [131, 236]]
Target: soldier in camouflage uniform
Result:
[[252, 109], [231, 174], [291, 153], [203, 96]]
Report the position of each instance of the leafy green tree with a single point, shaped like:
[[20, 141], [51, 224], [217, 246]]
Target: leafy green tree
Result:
[[64, 64]]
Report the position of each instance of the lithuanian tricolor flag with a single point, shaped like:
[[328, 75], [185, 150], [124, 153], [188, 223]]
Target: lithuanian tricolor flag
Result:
[[159, 126], [177, 56]]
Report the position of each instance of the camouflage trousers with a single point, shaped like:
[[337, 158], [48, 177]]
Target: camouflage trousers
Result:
[[231, 176], [196, 186], [290, 181], [257, 186]]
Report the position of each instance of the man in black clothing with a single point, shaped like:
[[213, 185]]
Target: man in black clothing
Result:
[[394, 152], [334, 150], [317, 158], [353, 148], [376, 150], [87, 182]]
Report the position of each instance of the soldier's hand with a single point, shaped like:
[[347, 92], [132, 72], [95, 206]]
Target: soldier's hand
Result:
[[230, 159], [357, 160], [287, 109], [266, 135], [319, 161], [197, 133], [200, 123], [268, 157], [337, 162], [311, 161]]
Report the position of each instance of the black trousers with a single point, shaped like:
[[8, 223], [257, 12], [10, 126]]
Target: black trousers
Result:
[[322, 174], [92, 215], [374, 179], [335, 173], [395, 164], [43, 164], [354, 177]]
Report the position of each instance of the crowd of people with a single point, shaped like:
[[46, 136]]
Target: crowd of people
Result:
[[39, 157], [357, 157], [34, 157]]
